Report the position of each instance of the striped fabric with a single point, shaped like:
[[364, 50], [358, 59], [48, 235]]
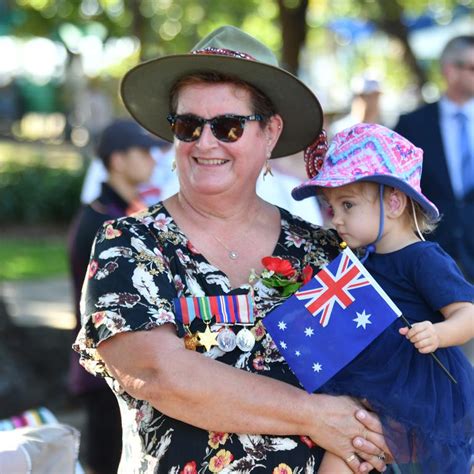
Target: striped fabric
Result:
[[35, 417], [226, 309]]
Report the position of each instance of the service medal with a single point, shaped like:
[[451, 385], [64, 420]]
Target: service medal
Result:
[[226, 340], [207, 338], [245, 340], [191, 341]]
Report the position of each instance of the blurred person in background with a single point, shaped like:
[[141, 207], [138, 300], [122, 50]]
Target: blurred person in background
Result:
[[124, 148], [276, 182], [445, 131], [93, 108], [12, 105], [365, 104], [162, 183]]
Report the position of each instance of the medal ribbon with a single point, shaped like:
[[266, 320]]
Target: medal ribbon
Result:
[[227, 309]]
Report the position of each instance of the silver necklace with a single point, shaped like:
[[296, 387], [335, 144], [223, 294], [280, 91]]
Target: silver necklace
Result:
[[232, 254]]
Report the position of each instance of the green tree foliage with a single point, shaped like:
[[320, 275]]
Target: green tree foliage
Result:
[[173, 26], [35, 193], [162, 26]]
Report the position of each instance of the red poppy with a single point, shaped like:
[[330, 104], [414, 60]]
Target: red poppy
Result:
[[189, 468], [307, 274], [279, 265]]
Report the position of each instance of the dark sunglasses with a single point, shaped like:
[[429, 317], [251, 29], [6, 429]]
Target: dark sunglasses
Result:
[[226, 128]]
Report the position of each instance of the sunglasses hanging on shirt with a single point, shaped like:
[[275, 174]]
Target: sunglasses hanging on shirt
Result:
[[226, 128]]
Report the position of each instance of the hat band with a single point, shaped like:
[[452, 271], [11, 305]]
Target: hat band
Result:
[[224, 52], [315, 153]]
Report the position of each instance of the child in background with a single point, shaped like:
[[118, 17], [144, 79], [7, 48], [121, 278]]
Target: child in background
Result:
[[370, 178]]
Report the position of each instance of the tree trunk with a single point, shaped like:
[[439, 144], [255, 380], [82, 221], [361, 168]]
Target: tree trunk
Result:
[[294, 28], [390, 22], [138, 25]]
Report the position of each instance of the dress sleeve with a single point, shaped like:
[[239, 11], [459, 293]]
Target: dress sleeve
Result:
[[439, 280], [128, 287]]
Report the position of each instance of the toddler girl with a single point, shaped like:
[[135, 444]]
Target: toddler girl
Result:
[[370, 178]]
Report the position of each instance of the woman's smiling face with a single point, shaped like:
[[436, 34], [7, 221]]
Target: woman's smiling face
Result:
[[208, 165]]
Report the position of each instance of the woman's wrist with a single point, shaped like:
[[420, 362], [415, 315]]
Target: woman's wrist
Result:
[[321, 412], [308, 414]]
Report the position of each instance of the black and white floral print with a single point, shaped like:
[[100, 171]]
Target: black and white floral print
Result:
[[139, 264]]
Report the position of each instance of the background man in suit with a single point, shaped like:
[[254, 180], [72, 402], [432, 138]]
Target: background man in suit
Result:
[[445, 131]]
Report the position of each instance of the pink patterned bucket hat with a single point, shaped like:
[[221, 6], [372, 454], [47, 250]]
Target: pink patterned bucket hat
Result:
[[370, 152]]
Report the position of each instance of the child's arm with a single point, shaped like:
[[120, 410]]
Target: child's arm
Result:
[[457, 329], [332, 464]]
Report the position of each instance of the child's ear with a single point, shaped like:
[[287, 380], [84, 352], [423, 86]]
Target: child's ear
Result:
[[396, 203]]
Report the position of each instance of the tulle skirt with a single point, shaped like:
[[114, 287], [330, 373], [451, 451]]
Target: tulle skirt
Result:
[[428, 420]]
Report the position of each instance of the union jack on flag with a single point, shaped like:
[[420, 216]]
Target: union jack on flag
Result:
[[333, 288], [330, 320]]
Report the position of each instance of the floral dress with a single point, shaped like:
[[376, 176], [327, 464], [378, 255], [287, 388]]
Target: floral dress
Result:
[[139, 264]]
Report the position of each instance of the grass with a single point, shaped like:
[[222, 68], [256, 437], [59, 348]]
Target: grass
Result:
[[25, 259], [29, 252]]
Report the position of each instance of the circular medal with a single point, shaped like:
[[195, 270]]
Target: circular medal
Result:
[[245, 340], [191, 341], [226, 340]]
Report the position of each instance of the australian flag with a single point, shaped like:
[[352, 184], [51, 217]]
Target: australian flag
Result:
[[330, 320]]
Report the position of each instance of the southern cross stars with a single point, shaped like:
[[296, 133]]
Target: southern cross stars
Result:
[[362, 319], [309, 332], [317, 367], [282, 325]]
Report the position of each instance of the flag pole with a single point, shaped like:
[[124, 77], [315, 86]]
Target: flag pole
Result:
[[432, 354]]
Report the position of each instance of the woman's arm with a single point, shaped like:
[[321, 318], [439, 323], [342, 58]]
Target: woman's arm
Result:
[[458, 328], [185, 385]]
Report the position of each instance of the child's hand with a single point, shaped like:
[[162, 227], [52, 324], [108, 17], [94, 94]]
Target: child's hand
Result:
[[423, 335]]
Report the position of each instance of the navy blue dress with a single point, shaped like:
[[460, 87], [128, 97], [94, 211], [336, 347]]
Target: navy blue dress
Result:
[[428, 420]]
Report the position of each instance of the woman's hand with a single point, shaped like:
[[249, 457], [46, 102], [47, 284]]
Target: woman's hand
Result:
[[350, 432], [371, 446]]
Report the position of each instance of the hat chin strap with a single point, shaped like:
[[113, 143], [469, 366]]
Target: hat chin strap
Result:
[[420, 234], [371, 247]]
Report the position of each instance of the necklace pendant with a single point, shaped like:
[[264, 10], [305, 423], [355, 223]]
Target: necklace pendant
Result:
[[245, 340], [226, 340], [233, 255]]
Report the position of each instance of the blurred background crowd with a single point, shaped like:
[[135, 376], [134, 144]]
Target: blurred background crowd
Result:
[[60, 67]]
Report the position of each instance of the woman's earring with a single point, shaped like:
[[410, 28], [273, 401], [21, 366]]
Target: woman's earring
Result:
[[268, 169], [173, 165]]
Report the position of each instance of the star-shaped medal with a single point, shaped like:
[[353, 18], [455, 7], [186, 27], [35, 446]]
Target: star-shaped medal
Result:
[[207, 338]]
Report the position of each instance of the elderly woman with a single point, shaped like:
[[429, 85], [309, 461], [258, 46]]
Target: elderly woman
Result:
[[201, 385]]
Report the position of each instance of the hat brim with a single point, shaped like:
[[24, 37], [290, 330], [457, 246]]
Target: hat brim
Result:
[[308, 189], [145, 92]]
